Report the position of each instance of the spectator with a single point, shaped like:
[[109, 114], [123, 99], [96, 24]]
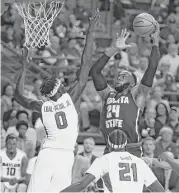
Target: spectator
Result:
[[83, 160], [143, 64], [173, 122], [173, 58], [167, 177], [91, 101], [146, 126], [30, 134], [9, 117], [162, 112], [133, 54], [12, 178], [7, 97], [22, 142], [148, 147], [165, 142]]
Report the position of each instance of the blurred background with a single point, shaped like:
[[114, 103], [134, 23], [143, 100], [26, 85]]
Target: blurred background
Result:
[[67, 37]]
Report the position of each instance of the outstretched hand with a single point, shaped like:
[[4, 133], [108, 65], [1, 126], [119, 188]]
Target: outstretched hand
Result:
[[94, 20], [121, 40]]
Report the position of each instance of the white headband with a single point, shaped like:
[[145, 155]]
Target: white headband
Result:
[[55, 89], [117, 146]]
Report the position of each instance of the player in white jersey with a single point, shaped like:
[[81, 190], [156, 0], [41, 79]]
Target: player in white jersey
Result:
[[52, 171], [13, 167], [127, 172]]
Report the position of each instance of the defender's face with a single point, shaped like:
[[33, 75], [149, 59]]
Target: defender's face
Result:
[[11, 146], [123, 78]]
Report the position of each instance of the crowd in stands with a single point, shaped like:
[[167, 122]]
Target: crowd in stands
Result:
[[159, 123]]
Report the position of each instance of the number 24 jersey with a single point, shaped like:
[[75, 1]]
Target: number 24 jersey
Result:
[[60, 120]]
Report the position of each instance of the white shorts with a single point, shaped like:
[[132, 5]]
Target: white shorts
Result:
[[52, 171]]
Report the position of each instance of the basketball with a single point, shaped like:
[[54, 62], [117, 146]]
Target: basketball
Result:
[[144, 24]]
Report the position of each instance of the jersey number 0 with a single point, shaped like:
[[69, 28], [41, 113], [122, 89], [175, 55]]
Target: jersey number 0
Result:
[[61, 120]]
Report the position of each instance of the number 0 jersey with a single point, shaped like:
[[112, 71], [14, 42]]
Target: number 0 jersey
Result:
[[11, 168], [123, 114], [127, 173], [60, 119]]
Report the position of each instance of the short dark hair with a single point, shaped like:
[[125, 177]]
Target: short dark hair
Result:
[[21, 112], [48, 85], [148, 139], [91, 138], [21, 123], [11, 136]]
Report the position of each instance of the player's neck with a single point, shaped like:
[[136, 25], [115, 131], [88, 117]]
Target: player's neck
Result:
[[87, 154], [150, 155], [11, 155]]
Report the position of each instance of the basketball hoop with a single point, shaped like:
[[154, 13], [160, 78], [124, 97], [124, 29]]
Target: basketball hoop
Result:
[[38, 18]]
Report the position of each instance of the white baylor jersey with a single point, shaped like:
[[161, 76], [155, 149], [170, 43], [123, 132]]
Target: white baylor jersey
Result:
[[11, 168], [60, 120], [127, 172]]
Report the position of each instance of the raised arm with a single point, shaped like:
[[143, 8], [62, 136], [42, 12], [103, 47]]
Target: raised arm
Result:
[[142, 91], [18, 94], [86, 63], [99, 80]]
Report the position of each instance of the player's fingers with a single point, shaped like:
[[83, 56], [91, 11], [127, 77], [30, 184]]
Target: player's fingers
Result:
[[127, 35], [122, 33], [125, 31]]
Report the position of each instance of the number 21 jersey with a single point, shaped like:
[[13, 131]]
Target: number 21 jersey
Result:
[[127, 173], [60, 120]]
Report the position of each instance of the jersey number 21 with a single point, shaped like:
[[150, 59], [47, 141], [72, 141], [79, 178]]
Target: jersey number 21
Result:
[[125, 172]]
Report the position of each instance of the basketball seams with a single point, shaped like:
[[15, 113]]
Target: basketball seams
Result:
[[144, 24], [143, 18], [146, 32]]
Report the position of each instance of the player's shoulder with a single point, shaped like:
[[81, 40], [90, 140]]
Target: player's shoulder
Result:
[[105, 92], [2, 151], [21, 153]]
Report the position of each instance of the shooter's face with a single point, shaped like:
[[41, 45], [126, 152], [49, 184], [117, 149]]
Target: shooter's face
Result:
[[123, 81], [61, 90]]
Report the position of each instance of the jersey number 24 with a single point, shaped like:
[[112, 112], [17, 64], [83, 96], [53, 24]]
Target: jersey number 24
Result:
[[61, 120]]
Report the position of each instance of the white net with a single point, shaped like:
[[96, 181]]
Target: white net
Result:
[[38, 18]]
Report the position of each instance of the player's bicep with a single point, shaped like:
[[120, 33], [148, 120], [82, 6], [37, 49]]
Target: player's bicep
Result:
[[140, 94], [36, 105]]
